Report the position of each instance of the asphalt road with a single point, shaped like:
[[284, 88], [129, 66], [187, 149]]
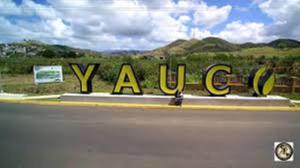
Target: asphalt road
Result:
[[35, 136]]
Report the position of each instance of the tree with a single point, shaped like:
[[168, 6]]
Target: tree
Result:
[[48, 54]]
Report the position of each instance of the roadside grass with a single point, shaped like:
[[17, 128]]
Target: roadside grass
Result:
[[295, 96], [25, 84]]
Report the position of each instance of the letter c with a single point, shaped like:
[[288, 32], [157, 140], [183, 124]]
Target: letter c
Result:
[[208, 79]]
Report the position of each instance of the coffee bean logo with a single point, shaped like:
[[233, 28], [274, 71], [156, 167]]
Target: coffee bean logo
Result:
[[262, 80], [284, 151]]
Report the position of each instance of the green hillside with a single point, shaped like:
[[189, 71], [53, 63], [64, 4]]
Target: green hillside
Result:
[[213, 45], [32, 48], [181, 48], [284, 43]]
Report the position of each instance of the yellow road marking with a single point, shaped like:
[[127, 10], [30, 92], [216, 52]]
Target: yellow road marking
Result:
[[126, 105]]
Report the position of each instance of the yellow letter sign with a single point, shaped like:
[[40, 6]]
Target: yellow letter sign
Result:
[[127, 79], [85, 76], [163, 83], [208, 80]]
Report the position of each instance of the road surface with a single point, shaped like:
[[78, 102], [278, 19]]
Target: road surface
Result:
[[36, 136]]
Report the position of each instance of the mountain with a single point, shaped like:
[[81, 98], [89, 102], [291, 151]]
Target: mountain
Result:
[[122, 52], [213, 44], [31, 48], [252, 45], [180, 47], [284, 43]]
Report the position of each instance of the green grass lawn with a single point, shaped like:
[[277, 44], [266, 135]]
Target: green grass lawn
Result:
[[25, 84]]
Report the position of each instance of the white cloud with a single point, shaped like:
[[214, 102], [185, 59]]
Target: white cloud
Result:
[[184, 19], [130, 21], [167, 28], [49, 28], [102, 25], [134, 21], [9, 31], [210, 16], [285, 15], [239, 32], [200, 34], [8, 7], [58, 28], [139, 24], [29, 7]]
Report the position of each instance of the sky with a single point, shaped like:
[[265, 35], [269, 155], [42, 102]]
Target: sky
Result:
[[146, 24]]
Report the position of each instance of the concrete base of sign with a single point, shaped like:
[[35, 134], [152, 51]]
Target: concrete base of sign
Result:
[[187, 100], [11, 95]]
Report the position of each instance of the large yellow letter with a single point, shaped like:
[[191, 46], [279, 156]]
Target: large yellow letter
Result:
[[127, 79], [163, 83], [85, 76], [208, 80]]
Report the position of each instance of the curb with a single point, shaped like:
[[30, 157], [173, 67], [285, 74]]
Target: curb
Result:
[[30, 98], [228, 100], [295, 101], [42, 97], [153, 106]]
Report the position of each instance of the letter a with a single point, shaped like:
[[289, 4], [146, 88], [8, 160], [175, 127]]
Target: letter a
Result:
[[127, 79]]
